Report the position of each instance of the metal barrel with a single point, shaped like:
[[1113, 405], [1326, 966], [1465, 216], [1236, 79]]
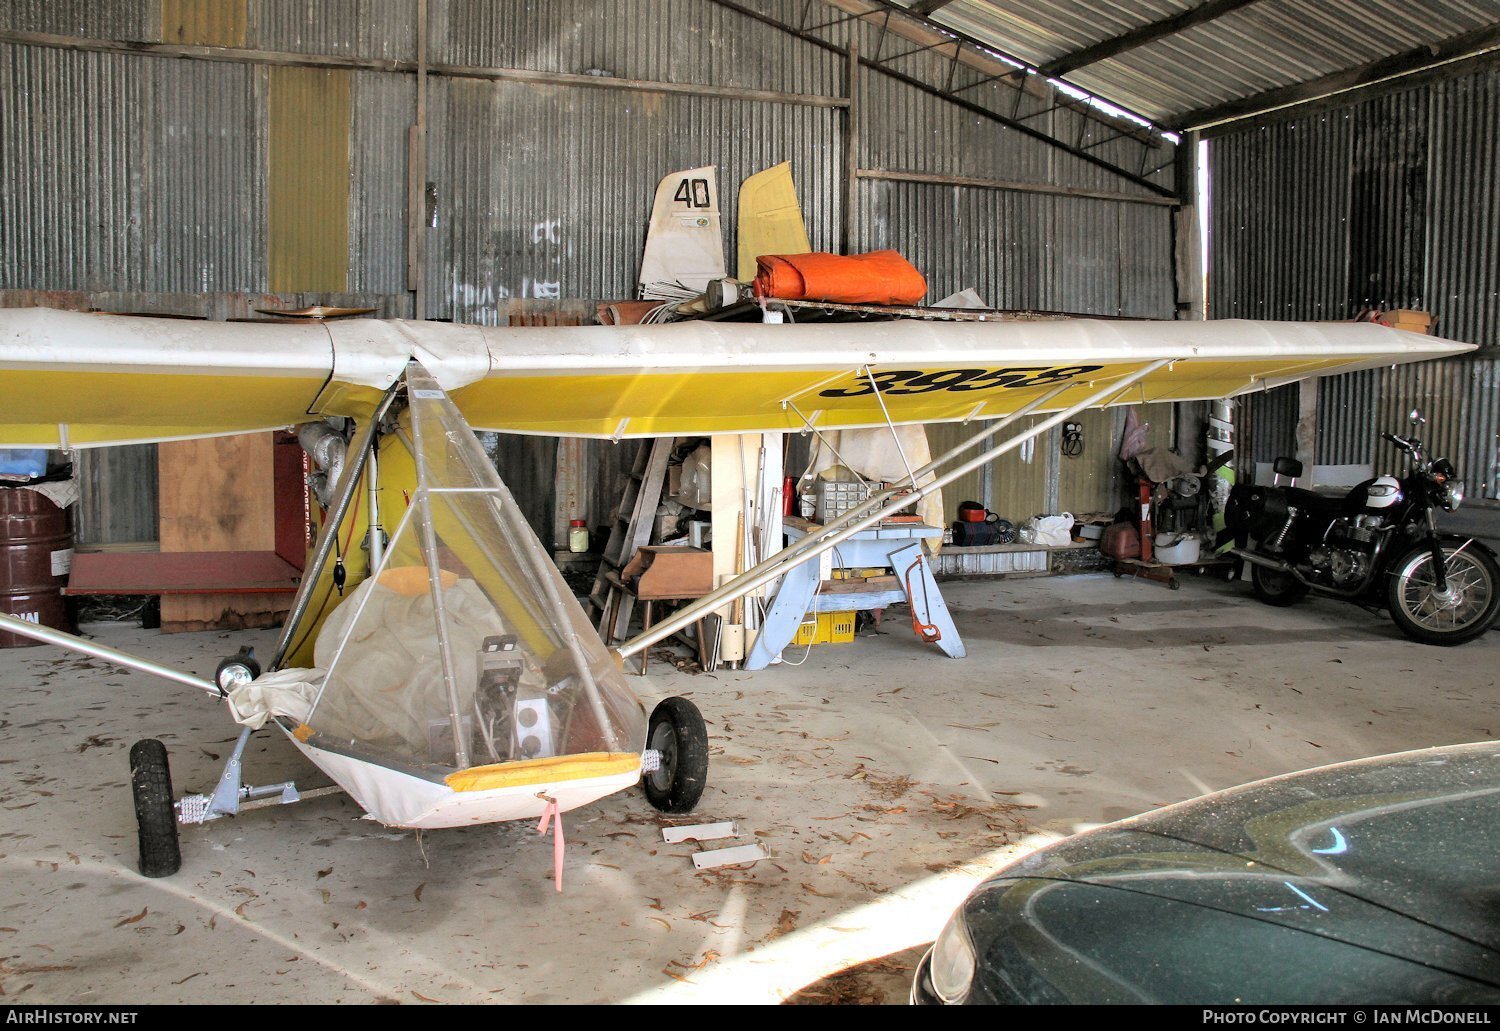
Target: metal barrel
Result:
[[36, 552]]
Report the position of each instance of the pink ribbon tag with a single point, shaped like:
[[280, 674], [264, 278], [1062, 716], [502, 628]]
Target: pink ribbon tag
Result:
[[550, 814]]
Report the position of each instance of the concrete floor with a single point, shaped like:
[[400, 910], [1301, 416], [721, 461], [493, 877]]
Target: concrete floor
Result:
[[884, 779]]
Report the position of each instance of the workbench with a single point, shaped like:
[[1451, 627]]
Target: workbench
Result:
[[805, 590]]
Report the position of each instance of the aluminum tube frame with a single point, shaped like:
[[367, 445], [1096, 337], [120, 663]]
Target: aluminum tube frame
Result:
[[772, 567], [62, 639], [375, 536], [565, 620], [422, 508], [347, 488]]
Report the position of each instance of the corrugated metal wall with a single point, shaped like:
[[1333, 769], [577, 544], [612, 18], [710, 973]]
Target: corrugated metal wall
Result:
[[1041, 479], [123, 173], [509, 159], [544, 191], [154, 179], [83, 18], [1389, 201]]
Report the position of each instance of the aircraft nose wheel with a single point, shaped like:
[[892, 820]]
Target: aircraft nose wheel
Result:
[[677, 731], [155, 809], [237, 671]]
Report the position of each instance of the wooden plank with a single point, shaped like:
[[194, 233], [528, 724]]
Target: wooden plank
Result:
[[862, 585], [185, 572], [217, 494], [289, 485], [290, 59]]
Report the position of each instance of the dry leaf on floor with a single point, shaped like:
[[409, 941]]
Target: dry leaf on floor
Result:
[[133, 919], [709, 956]]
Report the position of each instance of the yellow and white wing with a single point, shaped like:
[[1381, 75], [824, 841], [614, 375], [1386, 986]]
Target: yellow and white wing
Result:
[[76, 380]]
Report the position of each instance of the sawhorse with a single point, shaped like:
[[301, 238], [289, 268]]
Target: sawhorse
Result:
[[897, 545]]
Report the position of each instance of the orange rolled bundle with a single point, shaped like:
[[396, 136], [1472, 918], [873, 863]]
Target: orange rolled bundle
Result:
[[880, 277]]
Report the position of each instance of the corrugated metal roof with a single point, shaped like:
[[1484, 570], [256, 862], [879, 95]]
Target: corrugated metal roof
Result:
[[1249, 49]]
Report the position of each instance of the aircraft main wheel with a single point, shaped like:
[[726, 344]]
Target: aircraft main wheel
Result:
[[677, 731], [1275, 587], [155, 809]]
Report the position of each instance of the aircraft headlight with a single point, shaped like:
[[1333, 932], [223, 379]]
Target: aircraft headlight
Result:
[[952, 965], [1453, 495]]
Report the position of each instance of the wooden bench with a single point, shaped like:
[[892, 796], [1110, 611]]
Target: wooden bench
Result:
[[157, 574]]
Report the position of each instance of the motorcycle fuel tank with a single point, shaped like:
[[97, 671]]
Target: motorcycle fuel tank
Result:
[[1375, 495]]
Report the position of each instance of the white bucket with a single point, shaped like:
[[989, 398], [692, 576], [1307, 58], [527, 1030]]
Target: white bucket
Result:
[[1176, 549]]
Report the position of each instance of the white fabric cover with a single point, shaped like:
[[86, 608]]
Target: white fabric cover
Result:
[[287, 692], [398, 799], [386, 686], [874, 455]]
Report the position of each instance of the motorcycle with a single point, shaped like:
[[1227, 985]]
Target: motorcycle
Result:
[[1377, 545]]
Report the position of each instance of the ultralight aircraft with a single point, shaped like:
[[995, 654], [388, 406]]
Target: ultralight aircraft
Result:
[[461, 682]]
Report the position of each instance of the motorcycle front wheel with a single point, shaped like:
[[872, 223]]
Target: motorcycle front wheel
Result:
[[1462, 613]]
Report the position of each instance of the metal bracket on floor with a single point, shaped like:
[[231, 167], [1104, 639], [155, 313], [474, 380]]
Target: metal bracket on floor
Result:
[[232, 796]]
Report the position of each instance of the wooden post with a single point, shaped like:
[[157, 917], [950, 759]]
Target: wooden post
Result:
[[1307, 427]]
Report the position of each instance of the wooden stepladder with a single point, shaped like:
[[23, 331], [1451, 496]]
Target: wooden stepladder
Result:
[[612, 605]]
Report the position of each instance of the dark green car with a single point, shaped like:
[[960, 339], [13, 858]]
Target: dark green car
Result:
[[1369, 882]]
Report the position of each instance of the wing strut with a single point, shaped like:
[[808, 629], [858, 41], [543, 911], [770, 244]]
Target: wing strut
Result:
[[825, 441], [862, 518], [63, 639], [911, 477]]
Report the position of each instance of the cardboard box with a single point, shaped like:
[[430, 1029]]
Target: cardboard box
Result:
[[1407, 319]]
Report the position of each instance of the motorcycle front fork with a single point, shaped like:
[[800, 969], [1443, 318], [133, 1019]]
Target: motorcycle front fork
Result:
[[1439, 560]]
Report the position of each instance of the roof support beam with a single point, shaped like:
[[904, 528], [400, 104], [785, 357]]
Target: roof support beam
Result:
[[1466, 45], [926, 7], [969, 106], [1104, 50]]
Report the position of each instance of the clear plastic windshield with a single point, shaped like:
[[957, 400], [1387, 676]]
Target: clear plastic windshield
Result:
[[466, 648]]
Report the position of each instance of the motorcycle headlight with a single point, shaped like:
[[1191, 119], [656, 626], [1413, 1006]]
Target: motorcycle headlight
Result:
[[952, 965], [1453, 494]]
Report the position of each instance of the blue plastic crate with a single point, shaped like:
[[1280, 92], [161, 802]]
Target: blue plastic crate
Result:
[[23, 461]]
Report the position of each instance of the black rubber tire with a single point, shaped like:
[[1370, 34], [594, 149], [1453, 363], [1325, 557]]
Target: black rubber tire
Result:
[[1276, 588], [155, 809], [678, 732], [1472, 572]]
